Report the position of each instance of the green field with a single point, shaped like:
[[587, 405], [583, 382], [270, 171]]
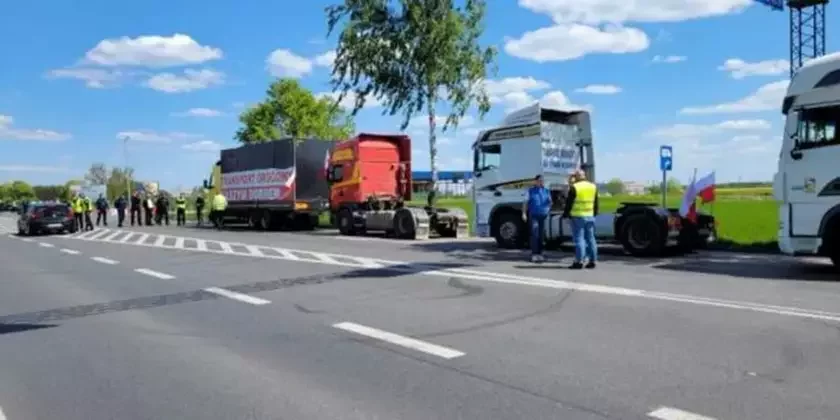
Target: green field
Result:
[[747, 218]]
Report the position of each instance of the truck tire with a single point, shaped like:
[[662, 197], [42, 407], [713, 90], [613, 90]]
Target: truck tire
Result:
[[404, 226], [509, 230], [831, 242], [265, 220], [641, 236], [345, 222]]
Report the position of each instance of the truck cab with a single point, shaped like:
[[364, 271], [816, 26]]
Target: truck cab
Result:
[[807, 182]]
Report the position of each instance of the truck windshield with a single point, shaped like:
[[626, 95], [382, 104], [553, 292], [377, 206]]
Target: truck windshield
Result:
[[817, 127], [560, 146]]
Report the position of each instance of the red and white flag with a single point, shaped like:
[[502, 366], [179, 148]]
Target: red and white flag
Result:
[[704, 188]]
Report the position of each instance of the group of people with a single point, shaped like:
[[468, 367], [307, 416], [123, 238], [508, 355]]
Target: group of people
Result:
[[142, 207], [581, 207]]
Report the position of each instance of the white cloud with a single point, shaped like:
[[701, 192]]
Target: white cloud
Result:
[[349, 100], [740, 69], [150, 136], [683, 131], [199, 112], [617, 11], [513, 84], [554, 99], [32, 168], [9, 132], [766, 98], [151, 51], [189, 81], [600, 89], [669, 59], [284, 63], [203, 146], [238, 105], [326, 59], [569, 41], [93, 77]]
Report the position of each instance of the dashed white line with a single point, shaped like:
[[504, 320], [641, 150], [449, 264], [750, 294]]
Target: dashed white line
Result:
[[46, 245], [201, 244], [403, 341], [69, 251], [254, 251], [159, 241], [226, 248], [668, 413], [112, 236], [97, 234], [237, 296], [126, 237], [2, 415], [154, 273], [26, 240], [179, 242], [287, 255], [104, 260], [142, 239]]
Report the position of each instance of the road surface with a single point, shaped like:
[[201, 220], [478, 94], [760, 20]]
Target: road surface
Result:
[[185, 323]]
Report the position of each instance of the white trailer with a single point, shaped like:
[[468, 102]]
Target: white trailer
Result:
[[807, 183], [553, 143]]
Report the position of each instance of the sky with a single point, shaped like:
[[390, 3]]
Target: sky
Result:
[[80, 77]]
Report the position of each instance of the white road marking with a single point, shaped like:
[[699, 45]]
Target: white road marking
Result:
[[159, 241], [46, 245], [142, 239], [98, 234], [26, 240], [179, 242], [237, 296], [2, 415], [400, 340], [483, 276], [201, 245], [70, 251], [254, 251], [668, 413], [112, 236], [104, 260], [154, 273], [126, 237]]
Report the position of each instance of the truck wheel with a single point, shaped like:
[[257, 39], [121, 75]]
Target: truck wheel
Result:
[[689, 239], [831, 243], [404, 227], [510, 231], [345, 222], [265, 220], [641, 236]]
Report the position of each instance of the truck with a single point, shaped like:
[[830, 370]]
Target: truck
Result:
[[807, 181], [279, 183], [370, 188], [541, 141]]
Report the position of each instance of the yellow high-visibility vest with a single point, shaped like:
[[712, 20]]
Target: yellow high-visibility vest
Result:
[[181, 203], [219, 202], [584, 205]]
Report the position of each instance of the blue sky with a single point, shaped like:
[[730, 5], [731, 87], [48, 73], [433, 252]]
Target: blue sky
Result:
[[701, 75]]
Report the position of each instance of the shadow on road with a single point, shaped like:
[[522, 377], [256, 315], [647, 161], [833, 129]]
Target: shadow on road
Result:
[[16, 328], [773, 267]]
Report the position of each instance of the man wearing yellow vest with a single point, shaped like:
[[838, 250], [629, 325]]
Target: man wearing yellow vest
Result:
[[181, 210], [217, 210], [78, 205], [582, 207]]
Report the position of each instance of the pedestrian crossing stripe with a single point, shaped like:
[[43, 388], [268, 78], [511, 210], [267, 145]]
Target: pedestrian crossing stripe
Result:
[[129, 237]]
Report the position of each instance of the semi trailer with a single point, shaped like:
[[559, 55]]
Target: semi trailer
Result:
[[280, 183], [807, 182], [370, 189], [540, 141]]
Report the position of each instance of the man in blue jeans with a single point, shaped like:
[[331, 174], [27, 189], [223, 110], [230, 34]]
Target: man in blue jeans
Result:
[[537, 207], [582, 207]]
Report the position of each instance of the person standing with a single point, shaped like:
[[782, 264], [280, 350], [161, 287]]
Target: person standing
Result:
[[199, 208], [101, 210], [88, 213], [120, 205], [162, 209], [148, 206], [78, 205], [217, 211], [537, 207], [181, 210], [136, 208], [582, 207]]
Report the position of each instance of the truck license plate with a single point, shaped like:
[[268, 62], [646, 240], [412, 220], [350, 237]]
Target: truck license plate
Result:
[[54, 225]]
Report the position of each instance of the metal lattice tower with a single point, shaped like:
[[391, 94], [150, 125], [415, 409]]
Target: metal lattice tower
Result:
[[807, 29]]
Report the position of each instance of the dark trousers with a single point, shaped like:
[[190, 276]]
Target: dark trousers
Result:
[[79, 221], [88, 221], [120, 217], [148, 216], [181, 217], [102, 216], [537, 226], [135, 210], [198, 215], [162, 215], [217, 218]]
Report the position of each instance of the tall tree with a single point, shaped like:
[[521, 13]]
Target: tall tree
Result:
[[290, 110], [97, 174], [21, 190], [119, 182], [66, 192], [5, 191], [411, 57], [47, 192]]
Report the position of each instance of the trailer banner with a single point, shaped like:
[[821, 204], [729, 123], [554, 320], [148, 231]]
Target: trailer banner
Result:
[[259, 184]]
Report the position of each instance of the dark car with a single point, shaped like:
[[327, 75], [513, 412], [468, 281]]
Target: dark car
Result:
[[38, 218]]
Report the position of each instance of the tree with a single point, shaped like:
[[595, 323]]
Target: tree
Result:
[[47, 192], [615, 186], [290, 110], [5, 193], [97, 174], [410, 57], [66, 192], [20, 190], [119, 182]]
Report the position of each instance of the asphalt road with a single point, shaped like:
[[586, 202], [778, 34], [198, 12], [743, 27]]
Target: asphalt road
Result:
[[305, 326]]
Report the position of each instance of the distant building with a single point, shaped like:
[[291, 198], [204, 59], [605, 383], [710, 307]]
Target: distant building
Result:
[[458, 183], [634, 188]]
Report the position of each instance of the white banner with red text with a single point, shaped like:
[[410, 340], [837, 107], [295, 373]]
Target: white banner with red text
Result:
[[259, 184]]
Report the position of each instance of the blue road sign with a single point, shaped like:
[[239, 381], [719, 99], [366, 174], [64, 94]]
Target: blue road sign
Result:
[[666, 158], [773, 4]]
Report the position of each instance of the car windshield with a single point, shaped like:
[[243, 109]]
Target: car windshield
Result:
[[52, 211]]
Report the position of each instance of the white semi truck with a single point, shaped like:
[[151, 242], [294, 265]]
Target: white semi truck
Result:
[[552, 143], [807, 183]]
